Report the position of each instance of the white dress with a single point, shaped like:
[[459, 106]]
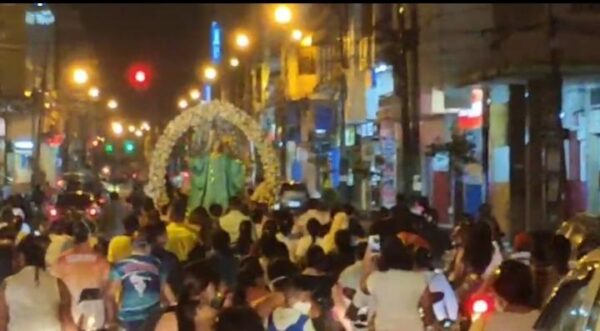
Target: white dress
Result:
[[31, 305]]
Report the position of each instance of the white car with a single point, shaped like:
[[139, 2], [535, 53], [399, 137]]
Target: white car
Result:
[[575, 303]]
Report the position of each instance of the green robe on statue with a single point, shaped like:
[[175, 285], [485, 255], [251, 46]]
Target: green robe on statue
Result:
[[215, 179]]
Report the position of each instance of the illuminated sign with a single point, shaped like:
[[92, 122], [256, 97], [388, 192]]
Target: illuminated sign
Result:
[[41, 17], [215, 42]]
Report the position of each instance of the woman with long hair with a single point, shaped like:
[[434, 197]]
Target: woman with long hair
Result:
[[245, 241], [22, 293]]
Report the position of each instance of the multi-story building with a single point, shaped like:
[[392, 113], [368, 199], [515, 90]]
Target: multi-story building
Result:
[[508, 75], [36, 49]]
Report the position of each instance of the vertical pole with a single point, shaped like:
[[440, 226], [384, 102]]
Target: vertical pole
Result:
[[517, 110], [485, 139]]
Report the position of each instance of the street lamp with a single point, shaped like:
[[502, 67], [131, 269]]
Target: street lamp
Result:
[[117, 128], [234, 62], [138, 133], [297, 35], [182, 104], [80, 76], [94, 92], [195, 94], [131, 128], [112, 104], [210, 73], [145, 126], [306, 41], [242, 41], [283, 14]]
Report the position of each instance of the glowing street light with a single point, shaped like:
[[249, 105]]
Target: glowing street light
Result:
[[306, 41], [242, 41], [94, 92], [234, 62], [182, 104], [117, 128], [145, 126], [297, 35], [195, 94], [138, 133], [210, 73], [80, 76], [112, 104], [140, 76], [131, 128], [283, 14]]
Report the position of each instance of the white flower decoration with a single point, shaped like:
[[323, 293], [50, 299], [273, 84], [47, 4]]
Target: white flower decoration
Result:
[[193, 117]]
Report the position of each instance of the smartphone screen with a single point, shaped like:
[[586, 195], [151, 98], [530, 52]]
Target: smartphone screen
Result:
[[375, 244]]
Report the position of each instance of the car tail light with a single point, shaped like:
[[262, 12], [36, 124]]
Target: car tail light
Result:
[[60, 183], [53, 212], [101, 201]]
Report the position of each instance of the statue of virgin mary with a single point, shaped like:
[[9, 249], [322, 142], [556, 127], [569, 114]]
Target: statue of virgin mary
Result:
[[215, 178]]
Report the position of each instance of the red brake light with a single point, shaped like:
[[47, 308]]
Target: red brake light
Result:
[[60, 183], [53, 212]]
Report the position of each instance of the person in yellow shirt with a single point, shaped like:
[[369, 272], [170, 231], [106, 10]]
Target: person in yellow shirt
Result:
[[181, 239], [120, 246]]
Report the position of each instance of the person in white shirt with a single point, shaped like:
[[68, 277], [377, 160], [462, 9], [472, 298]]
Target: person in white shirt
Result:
[[231, 221], [354, 304], [313, 228], [396, 290], [311, 212]]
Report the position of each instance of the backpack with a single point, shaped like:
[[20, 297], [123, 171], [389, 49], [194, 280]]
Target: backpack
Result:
[[297, 326]]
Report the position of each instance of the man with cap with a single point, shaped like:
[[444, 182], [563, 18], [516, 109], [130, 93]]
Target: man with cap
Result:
[[85, 273], [141, 281]]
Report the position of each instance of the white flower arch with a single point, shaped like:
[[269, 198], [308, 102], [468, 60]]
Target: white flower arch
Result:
[[193, 117]]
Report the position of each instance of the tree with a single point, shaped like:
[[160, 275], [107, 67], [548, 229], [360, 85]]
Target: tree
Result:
[[461, 152]]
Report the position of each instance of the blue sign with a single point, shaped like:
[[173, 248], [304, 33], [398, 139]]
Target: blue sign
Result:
[[215, 42], [207, 92]]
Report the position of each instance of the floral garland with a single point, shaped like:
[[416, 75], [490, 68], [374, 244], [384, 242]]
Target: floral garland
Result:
[[196, 116]]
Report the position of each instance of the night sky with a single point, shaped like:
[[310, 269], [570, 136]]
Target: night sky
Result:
[[172, 38]]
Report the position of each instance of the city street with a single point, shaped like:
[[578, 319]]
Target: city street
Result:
[[299, 167]]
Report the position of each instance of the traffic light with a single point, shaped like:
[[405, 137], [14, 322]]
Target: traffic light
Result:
[[140, 76], [109, 148], [129, 147]]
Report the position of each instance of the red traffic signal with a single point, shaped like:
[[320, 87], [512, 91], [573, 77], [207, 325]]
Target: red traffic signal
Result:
[[140, 76]]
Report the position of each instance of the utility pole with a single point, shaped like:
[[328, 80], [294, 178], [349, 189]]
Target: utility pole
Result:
[[545, 153], [342, 17], [38, 127]]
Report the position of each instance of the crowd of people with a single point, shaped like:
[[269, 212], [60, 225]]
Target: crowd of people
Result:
[[248, 268]]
